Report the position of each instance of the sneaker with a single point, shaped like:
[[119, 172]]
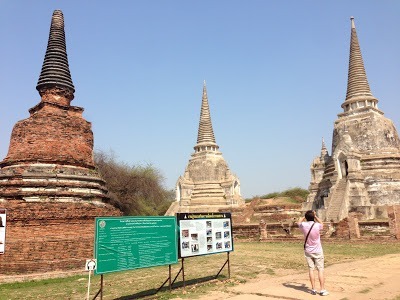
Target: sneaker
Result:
[[313, 292], [324, 293]]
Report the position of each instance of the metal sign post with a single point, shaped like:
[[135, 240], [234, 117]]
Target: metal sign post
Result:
[[100, 291], [90, 266], [229, 267]]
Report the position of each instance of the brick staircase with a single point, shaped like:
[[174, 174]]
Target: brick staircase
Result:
[[336, 201]]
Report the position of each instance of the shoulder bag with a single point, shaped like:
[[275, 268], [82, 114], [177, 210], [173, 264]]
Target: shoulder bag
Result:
[[308, 235]]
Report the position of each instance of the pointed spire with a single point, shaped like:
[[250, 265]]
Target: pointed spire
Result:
[[55, 70], [323, 144], [324, 152], [357, 82], [205, 136]]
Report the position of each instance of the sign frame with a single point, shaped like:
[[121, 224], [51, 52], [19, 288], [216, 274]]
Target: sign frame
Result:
[[204, 233], [134, 242], [3, 226]]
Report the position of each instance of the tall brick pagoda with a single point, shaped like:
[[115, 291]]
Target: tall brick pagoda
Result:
[[207, 184], [363, 173], [48, 181]]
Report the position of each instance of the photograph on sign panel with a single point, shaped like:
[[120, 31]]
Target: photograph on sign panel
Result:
[[209, 232], [185, 245], [194, 236], [227, 234], [218, 235], [208, 224], [185, 233], [195, 248], [226, 224]]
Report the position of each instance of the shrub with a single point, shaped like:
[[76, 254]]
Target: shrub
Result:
[[135, 190], [298, 194]]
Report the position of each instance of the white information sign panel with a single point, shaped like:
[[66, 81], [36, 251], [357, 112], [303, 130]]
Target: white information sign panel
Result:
[[2, 230], [206, 233]]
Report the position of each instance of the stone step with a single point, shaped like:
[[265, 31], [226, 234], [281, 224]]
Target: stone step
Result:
[[207, 194], [337, 200]]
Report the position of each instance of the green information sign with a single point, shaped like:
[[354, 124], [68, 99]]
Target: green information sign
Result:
[[126, 243]]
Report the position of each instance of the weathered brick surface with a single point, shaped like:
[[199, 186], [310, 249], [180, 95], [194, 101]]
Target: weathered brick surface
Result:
[[49, 236], [354, 229], [52, 134], [51, 190], [342, 229], [394, 220]]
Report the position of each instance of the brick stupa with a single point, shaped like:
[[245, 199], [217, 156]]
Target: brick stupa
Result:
[[207, 185], [48, 181], [363, 173]]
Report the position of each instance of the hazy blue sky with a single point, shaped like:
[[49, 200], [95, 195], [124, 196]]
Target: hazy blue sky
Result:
[[276, 74]]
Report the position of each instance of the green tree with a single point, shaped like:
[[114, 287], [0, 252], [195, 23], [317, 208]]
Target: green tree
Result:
[[135, 190]]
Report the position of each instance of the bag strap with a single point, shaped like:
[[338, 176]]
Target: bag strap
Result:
[[308, 235]]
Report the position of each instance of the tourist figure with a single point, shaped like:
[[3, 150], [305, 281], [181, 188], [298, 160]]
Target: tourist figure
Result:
[[311, 225]]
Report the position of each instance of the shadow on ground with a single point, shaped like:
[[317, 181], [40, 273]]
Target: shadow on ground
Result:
[[152, 292], [297, 286]]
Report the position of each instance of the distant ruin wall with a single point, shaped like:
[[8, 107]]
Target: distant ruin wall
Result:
[[49, 236], [340, 230]]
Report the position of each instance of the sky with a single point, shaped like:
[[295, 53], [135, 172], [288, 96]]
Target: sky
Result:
[[276, 74]]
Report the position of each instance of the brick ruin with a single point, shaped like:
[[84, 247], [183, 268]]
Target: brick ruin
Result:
[[48, 181], [276, 223], [363, 173]]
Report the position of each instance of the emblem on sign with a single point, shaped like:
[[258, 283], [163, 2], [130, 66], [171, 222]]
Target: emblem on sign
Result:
[[102, 224]]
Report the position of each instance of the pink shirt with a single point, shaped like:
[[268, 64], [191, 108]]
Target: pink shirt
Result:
[[313, 244]]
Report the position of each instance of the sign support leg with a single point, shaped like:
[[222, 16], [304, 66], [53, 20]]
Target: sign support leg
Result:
[[101, 289], [229, 269], [182, 269], [169, 277], [183, 274]]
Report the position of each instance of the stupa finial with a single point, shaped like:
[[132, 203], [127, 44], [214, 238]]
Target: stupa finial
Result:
[[55, 70], [357, 82], [323, 143], [205, 134]]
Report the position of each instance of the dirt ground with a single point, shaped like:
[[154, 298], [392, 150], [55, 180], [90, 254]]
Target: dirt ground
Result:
[[374, 278]]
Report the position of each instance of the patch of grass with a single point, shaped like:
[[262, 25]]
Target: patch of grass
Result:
[[270, 195], [297, 194], [365, 291], [249, 260]]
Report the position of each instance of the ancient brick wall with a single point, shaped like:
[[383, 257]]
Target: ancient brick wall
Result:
[[248, 231], [49, 236]]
